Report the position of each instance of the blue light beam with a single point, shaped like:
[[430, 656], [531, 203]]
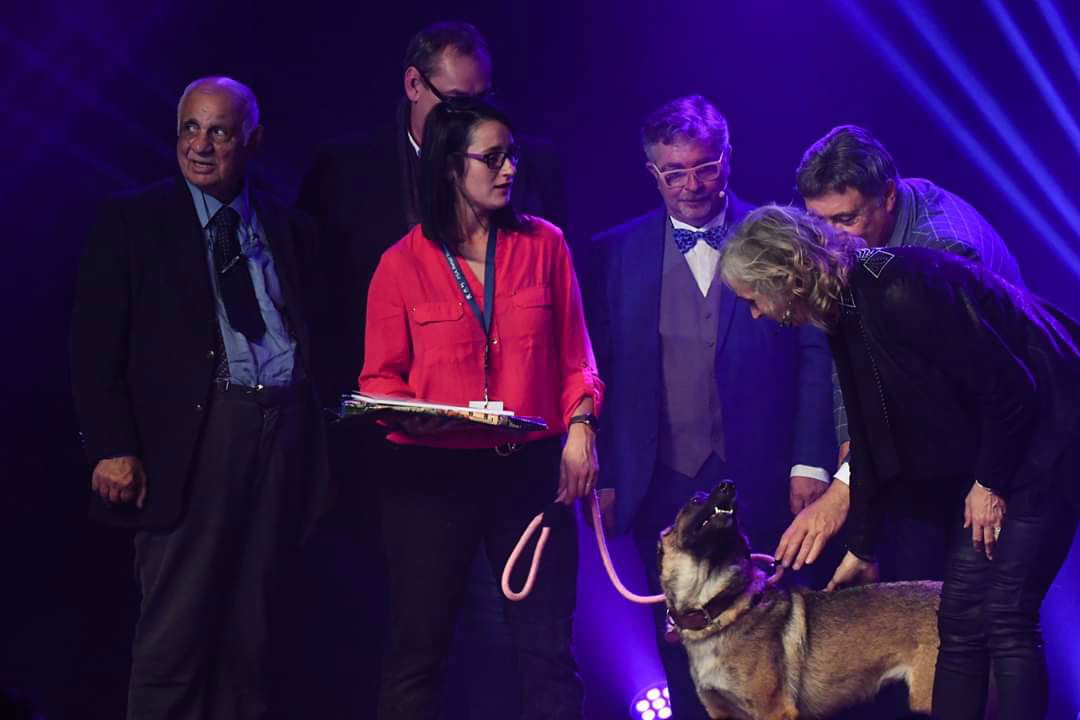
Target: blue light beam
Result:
[[1061, 32], [991, 110], [877, 40], [1031, 63]]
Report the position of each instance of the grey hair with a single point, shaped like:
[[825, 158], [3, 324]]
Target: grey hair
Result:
[[787, 255], [686, 118], [239, 89]]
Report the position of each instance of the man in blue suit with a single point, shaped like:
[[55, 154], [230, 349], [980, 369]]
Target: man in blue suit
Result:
[[697, 390]]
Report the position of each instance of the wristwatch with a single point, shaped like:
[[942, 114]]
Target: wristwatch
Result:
[[586, 419]]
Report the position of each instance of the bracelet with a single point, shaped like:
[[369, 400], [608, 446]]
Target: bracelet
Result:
[[585, 419]]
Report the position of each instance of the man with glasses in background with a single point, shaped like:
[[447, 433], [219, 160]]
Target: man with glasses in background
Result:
[[363, 193], [697, 391]]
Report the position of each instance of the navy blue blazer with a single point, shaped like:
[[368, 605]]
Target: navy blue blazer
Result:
[[775, 383]]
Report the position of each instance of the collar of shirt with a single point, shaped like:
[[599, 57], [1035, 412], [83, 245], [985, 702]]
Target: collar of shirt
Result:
[[206, 206], [702, 258], [408, 134], [905, 213], [715, 222]]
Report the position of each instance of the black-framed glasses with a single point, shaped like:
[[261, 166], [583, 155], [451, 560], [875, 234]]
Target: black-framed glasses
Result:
[[496, 158], [705, 172], [444, 97]]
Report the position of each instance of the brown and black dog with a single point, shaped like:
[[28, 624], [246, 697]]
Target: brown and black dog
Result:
[[760, 651]]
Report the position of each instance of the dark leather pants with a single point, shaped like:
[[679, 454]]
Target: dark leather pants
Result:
[[990, 613]]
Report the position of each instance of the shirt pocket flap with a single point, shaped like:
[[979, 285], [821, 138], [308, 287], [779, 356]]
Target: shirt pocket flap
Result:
[[538, 296], [426, 313]]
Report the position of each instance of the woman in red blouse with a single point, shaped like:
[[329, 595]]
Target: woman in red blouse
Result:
[[479, 303]]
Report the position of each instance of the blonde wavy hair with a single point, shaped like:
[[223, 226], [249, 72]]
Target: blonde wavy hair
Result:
[[791, 257]]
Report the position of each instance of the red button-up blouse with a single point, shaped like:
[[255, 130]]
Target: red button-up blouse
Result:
[[423, 341]]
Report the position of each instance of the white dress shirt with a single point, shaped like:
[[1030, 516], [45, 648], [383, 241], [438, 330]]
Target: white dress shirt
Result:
[[703, 258]]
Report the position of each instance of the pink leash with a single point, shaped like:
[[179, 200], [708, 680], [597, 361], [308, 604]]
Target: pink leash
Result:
[[605, 556], [516, 553]]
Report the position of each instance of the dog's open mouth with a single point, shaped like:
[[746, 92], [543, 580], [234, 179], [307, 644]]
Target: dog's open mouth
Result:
[[715, 512], [712, 511]]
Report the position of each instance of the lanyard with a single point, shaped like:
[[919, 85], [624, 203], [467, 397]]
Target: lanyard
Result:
[[483, 317]]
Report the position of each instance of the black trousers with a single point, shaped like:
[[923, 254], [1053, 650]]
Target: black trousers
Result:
[[438, 506], [202, 644], [990, 609]]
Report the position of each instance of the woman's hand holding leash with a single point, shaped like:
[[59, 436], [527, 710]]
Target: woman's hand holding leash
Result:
[[984, 513], [580, 467]]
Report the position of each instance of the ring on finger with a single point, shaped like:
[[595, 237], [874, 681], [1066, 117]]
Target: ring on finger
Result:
[[997, 533]]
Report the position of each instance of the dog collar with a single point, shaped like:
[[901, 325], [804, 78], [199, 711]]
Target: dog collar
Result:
[[709, 614], [701, 618]]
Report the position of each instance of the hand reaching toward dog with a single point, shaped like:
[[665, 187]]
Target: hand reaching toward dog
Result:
[[579, 467], [984, 513], [803, 491], [853, 570], [120, 480], [805, 538]]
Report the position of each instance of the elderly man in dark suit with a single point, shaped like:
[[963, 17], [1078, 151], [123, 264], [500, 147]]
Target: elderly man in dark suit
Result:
[[697, 390], [192, 364]]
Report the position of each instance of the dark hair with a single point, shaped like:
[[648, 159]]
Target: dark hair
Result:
[[848, 156], [447, 134], [686, 118], [426, 46]]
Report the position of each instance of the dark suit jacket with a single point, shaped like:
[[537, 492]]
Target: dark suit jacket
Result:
[[774, 383], [143, 335], [354, 191], [950, 375]]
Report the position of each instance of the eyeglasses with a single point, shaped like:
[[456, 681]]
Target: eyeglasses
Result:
[[705, 172], [848, 219], [495, 159], [445, 97]]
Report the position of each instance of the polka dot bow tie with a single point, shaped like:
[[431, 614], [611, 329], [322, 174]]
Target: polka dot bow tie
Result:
[[685, 240]]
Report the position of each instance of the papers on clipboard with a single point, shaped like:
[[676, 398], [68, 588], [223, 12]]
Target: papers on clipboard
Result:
[[378, 407]]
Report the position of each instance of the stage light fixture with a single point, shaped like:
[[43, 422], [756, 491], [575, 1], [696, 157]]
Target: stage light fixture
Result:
[[651, 703]]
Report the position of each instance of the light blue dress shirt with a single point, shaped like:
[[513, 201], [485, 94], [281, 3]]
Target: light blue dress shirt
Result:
[[270, 360]]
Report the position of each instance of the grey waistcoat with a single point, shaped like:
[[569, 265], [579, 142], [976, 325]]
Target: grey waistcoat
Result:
[[691, 427]]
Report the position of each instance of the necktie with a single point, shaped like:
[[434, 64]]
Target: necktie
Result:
[[234, 279], [685, 240]]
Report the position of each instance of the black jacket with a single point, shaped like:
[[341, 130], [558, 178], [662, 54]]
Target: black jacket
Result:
[[143, 334], [355, 191], [950, 375]]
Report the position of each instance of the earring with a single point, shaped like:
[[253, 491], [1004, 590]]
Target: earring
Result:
[[785, 319]]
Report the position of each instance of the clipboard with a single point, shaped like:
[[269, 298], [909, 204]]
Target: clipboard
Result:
[[384, 407]]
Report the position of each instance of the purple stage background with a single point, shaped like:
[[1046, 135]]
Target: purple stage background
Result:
[[977, 96]]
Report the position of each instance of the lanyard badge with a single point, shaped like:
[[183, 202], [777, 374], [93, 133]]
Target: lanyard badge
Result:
[[485, 316]]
